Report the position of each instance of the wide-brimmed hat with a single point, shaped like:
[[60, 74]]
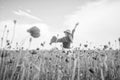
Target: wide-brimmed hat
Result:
[[67, 31]]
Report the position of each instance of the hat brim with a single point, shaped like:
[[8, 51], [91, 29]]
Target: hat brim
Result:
[[67, 32]]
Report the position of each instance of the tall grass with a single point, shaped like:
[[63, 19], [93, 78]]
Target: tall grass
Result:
[[2, 38], [52, 65], [12, 40]]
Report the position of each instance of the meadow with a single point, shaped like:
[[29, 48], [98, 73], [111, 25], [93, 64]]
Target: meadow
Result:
[[55, 65]]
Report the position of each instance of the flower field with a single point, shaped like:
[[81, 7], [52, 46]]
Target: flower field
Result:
[[55, 65]]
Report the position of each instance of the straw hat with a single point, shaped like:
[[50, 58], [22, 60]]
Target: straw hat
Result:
[[67, 31]]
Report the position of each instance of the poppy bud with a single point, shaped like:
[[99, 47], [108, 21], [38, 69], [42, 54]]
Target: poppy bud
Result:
[[14, 21]]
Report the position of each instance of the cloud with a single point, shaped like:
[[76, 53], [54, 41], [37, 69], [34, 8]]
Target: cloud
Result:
[[26, 14], [28, 10]]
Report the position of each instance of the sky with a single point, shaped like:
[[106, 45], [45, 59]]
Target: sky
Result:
[[99, 19]]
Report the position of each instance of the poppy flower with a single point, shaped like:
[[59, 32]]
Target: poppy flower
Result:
[[66, 60], [8, 42], [119, 42], [119, 39], [94, 58], [105, 47], [109, 43], [37, 49], [34, 32], [85, 45], [42, 44], [91, 70], [34, 52], [10, 62], [80, 45], [53, 40]]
